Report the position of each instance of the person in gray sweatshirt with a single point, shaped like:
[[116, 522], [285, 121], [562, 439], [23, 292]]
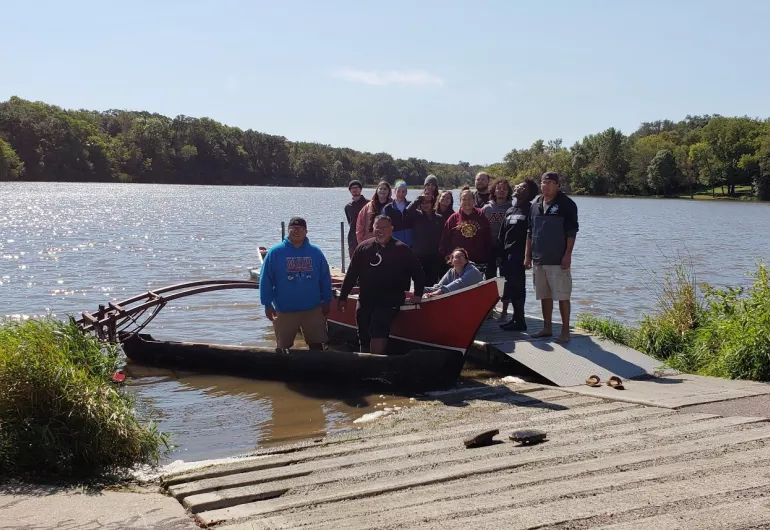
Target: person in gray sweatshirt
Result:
[[494, 210], [462, 274]]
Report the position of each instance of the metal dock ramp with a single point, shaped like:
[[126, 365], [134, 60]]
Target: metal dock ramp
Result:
[[569, 364]]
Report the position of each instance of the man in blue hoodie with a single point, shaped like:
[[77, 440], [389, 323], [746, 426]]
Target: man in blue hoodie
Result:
[[295, 286]]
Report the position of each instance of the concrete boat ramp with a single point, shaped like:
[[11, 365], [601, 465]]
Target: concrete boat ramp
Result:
[[605, 464]]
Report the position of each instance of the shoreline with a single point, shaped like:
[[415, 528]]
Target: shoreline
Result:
[[654, 439], [698, 196]]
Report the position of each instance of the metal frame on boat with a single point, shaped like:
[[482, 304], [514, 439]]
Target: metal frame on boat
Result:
[[433, 337]]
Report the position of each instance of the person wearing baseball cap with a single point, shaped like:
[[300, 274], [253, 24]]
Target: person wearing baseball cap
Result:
[[295, 286], [553, 226]]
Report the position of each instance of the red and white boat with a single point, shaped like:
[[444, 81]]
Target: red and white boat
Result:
[[447, 322]]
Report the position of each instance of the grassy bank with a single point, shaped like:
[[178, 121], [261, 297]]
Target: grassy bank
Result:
[[60, 413], [700, 329]]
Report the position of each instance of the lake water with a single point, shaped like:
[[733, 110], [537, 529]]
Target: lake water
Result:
[[66, 248]]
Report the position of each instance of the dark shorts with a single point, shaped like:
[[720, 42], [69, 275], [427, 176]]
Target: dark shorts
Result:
[[373, 322]]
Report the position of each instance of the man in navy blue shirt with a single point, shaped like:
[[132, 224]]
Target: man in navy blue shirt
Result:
[[295, 286], [553, 226]]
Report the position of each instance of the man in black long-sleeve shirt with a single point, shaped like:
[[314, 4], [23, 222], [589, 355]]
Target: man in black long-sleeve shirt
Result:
[[384, 269], [511, 245]]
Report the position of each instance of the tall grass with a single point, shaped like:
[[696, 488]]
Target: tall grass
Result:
[[60, 413], [708, 331]]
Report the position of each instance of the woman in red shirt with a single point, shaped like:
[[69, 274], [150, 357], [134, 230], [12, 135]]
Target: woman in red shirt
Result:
[[468, 228]]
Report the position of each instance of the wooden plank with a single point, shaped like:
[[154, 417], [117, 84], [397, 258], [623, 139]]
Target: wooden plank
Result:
[[180, 491], [481, 486], [685, 430], [570, 364], [116, 307], [537, 416], [438, 474], [567, 511], [752, 513], [450, 440], [513, 493]]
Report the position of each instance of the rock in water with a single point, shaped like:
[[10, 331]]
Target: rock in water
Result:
[[529, 436], [481, 439]]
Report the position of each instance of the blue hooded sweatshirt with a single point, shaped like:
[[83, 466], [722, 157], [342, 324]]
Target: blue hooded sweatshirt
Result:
[[295, 279], [402, 222]]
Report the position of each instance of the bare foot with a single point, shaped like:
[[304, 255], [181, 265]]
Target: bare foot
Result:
[[563, 338], [542, 333]]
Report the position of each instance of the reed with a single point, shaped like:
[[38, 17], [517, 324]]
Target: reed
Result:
[[701, 329], [60, 413]]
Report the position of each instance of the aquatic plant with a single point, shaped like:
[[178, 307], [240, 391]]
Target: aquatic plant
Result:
[[60, 412], [707, 331]]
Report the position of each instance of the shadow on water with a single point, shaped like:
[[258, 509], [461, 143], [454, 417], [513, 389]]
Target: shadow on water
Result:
[[212, 416]]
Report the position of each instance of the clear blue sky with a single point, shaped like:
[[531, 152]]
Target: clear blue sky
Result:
[[443, 80]]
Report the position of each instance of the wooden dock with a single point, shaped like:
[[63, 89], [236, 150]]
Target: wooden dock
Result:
[[562, 364]]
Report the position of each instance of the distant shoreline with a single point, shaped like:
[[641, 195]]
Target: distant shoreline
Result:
[[699, 196]]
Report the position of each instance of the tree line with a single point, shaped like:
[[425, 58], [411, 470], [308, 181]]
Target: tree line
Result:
[[47, 143], [41, 142], [659, 158]]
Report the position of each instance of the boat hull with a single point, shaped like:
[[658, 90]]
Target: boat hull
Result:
[[421, 369], [448, 322]]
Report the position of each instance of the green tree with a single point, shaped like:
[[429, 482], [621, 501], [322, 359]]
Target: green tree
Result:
[[11, 166], [762, 178], [609, 160], [730, 139], [642, 153], [662, 171], [57, 144], [706, 165]]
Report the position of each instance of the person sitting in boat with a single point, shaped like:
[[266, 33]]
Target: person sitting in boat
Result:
[[396, 210], [383, 267], [365, 221], [462, 274], [295, 286], [468, 228]]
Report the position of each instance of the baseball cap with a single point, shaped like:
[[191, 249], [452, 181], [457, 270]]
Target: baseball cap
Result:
[[550, 175], [298, 221]]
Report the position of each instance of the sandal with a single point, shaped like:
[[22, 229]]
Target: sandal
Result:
[[615, 382], [593, 381]]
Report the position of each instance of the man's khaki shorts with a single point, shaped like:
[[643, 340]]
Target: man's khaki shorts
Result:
[[312, 323], [551, 281]]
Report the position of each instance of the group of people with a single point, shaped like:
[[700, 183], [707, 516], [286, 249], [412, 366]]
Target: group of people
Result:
[[392, 242]]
